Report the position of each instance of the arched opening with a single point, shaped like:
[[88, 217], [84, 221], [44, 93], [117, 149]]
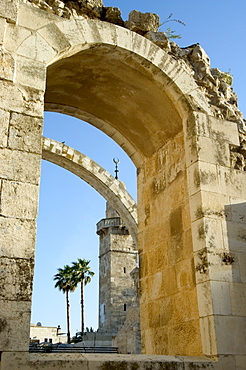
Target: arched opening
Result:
[[148, 101], [68, 213], [133, 101], [110, 89]]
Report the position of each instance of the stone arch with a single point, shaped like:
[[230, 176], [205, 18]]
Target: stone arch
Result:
[[148, 101], [144, 100], [97, 177], [106, 49]]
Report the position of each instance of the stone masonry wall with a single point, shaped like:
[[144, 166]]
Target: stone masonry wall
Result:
[[21, 112], [169, 303]]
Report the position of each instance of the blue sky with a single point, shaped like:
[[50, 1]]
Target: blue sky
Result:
[[69, 208]]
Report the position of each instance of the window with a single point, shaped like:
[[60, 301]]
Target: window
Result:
[[124, 306], [124, 270]]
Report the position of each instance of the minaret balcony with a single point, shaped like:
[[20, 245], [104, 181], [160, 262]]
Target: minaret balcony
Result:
[[105, 223]]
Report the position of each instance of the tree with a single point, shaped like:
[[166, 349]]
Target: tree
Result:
[[65, 283], [81, 274]]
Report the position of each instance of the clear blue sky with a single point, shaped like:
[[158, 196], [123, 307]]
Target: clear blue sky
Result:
[[69, 208]]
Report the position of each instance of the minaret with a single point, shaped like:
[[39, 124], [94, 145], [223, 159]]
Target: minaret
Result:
[[117, 258]]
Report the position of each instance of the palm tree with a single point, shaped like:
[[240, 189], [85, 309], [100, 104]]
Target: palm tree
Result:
[[82, 274], [65, 283]]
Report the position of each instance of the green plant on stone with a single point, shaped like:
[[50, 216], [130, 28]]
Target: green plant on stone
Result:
[[169, 32]]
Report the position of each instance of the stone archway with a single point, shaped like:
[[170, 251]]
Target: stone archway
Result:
[[148, 101], [97, 177]]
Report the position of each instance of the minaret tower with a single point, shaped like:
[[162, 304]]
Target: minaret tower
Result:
[[117, 258]]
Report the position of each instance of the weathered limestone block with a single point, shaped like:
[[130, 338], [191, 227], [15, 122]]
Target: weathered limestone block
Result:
[[32, 73], [142, 22], [25, 133], [68, 8], [222, 77], [209, 150], [222, 130], [8, 9], [20, 166], [57, 361], [238, 299], [53, 35], [237, 235], [203, 176], [16, 278], [22, 99], [235, 343], [198, 55], [14, 36], [204, 236], [55, 6], [71, 33], [33, 18], [4, 126], [216, 264], [112, 15], [14, 325], [210, 204], [233, 183], [38, 49], [160, 39], [6, 65], [19, 200], [13, 240], [198, 124]]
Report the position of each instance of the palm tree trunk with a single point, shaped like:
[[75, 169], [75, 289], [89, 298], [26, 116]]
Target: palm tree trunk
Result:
[[68, 316], [82, 310]]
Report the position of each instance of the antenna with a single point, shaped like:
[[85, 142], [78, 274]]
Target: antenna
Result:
[[116, 161]]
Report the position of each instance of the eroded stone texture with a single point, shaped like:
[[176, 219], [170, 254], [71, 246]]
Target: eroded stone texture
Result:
[[166, 256], [19, 200], [20, 142], [6, 65], [142, 22], [8, 10], [20, 166], [14, 315], [160, 39], [13, 240], [21, 99], [25, 133], [16, 278]]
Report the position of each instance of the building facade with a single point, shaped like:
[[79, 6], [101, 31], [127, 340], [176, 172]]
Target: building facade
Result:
[[49, 334]]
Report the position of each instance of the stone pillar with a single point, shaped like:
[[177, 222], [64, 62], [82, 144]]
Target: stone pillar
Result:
[[218, 217], [192, 212], [168, 303], [22, 82]]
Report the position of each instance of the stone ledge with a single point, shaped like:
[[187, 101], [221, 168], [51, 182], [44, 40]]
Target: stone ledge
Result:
[[26, 361]]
